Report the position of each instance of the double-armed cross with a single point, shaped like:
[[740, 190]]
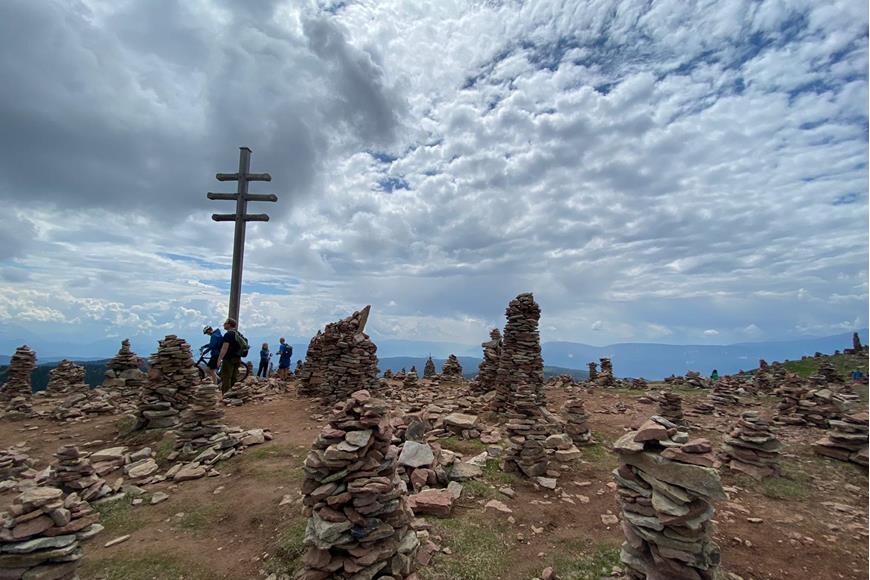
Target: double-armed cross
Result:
[[241, 217]]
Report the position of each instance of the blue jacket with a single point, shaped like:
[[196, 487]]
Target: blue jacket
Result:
[[214, 343]]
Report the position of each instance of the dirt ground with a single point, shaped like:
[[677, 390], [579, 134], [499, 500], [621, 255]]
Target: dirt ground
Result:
[[809, 524]]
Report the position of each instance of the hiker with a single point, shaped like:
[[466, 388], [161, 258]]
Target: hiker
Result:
[[213, 350], [714, 376], [265, 356], [285, 352], [230, 356]]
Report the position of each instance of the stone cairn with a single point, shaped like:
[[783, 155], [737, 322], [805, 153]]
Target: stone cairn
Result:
[[802, 405], [340, 360], [15, 464], [576, 422], [64, 377], [16, 395], [429, 369], [639, 384], [201, 420], [671, 407], [829, 374], [73, 472], [40, 534], [487, 372], [724, 393], [605, 377], [527, 430], [752, 448], [172, 378], [593, 372], [388, 374], [846, 440], [452, 369], [359, 520], [123, 375], [520, 362], [666, 486], [410, 380]]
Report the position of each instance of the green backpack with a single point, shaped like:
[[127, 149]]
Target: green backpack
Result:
[[243, 345]]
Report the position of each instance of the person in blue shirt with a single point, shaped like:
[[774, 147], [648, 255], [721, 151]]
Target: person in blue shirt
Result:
[[285, 353], [212, 349], [265, 355]]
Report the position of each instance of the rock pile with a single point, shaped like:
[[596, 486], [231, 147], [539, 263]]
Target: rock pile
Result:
[[388, 374], [341, 359], [724, 393], [576, 422], [752, 448], [40, 534], [671, 407], [410, 380], [563, 381], [124, 379], [359, 520], [14, 463], [73, 472], [520, 361], [201, 420], [527, 430], [639, 384], [429, 369], [487, 372], [452, 369], [125, 360], [666, 486], [593, 372], [693, 379], [829, 374], [62, 377], [802, 405], [172, 378], [16, 395], [254, 389], [761, 381], [846, 440], [605, 377]]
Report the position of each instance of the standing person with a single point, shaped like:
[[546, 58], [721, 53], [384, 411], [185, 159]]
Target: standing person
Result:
[[230, 355], [714, 376], [213, 349], [285, 353], [265, 356]]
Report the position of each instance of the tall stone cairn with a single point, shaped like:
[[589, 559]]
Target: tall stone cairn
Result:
[[487, 372], [429, 368], [856, 343], [666, 489], [172, 378], [201, 420], [752, 448], [126, 359], [16, 395], [520, 362], [73, 472], [527, 430], [359, 520], [593, 371], [671, 407], [62, 377], [605, 377], [340, 360], [452, 369], [846, 440], [576, 422]]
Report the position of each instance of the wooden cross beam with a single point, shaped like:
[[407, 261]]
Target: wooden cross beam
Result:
[[241, 217]]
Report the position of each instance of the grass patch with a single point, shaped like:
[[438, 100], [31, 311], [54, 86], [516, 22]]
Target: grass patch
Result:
[[125, 425], [202, 517], [579, 561], [289, 549], [843, 363], [598, 452], [478, 551], [790, 487], [143, 567], [463, 446], [163, 448], [119, 516], [493, 474], [476, 488]]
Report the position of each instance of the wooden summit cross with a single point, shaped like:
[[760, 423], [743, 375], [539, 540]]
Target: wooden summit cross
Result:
[[241, 217]]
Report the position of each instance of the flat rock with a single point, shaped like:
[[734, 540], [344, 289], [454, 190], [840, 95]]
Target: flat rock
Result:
[[461, 421], [436, 502], [416, 454], [498, 506], [464, 471]]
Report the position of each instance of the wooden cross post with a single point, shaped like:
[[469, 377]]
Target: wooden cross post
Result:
[[241, 217]]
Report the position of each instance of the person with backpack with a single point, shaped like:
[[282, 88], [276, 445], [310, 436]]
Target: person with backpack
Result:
[[265, 357], [233, 348], [285, 353]]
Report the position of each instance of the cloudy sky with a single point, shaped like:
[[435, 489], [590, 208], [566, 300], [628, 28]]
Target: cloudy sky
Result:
[[669, 171]]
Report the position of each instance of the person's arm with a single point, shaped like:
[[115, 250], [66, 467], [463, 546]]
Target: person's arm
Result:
[[223, 353]]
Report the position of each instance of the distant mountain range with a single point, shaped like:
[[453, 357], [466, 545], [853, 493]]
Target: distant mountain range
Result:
[[648, 360]]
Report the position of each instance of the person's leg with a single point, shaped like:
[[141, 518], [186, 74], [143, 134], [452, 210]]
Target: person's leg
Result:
[[235, 371], [261, 371], [226, 376]]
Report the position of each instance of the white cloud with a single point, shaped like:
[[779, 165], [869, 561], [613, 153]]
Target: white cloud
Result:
[[711, 332]]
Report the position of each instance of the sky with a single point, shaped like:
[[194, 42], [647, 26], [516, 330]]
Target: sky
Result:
[[676, 171]]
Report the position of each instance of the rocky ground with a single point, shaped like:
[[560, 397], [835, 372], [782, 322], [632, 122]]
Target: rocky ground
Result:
[[245, 522]]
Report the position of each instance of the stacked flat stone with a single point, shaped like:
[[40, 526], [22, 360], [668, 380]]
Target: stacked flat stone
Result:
[[563, 381], [123, 378], [593, 372], [359, 520], [761, 381], [527, 430], [429, 368], [605, 376], [84, 402], [829, 373], [40, 534], [671, 407], [576, 422], [16, 395], [452, 369], [62, 377], [752, 448], [520, 362], [340, 360], [388, 374], [126, 359], [666, 486], [724, 393], [487, 372], [639, 384], [846, 440], [693, 379], [172, 377], [410, 380], [73, 473], [803, 405], [14, 463], [201, 420]]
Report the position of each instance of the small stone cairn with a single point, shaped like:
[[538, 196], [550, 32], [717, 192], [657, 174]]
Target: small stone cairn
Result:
[[846, 440], [359, 520], [593, 372], [452, 369], [172, 377], [388, 374], [639, 384], [752, 448], [724, 393], [576, 422], [429, 369], [123, 374], [410, 380], [16, 395], [671, 407], [605, 377], [15, 464], [341, 359], [64, 378], [40, 535], [520, 362], [666, 487], [201, 420], [487, 372], [803, 405], [73, 472]]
